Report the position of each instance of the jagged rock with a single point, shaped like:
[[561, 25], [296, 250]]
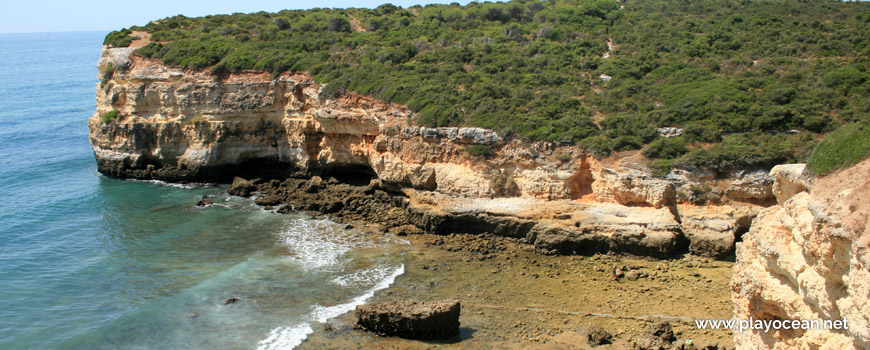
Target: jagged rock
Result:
[[807, 259], [410, 319], [790, 180], [241, 187]]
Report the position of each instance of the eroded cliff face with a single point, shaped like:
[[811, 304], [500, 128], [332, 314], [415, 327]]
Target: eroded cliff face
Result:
[[189, 125], [807, 259], [184, 125]]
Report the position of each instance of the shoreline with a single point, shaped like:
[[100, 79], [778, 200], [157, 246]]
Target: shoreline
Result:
[[513, 297], [513, 294]]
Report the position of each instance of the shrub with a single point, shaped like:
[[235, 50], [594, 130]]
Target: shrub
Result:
[[847, 145], [108, 72], [118, 38], [660, 168], [478, 150], [666, 148], [599, 146], [110, 115]]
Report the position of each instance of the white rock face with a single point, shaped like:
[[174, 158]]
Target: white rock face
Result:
[[808, 259]]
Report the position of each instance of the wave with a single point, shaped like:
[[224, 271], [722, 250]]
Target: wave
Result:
[[187, 185], [289, 337]]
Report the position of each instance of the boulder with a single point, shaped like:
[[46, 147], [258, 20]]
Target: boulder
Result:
[[657, 337], [241, 187], [789, 181], [410, 319], [751, 186], [712, 231], [595, 335]]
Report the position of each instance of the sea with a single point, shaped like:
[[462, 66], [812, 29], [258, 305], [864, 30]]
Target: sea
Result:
[[94, 262]]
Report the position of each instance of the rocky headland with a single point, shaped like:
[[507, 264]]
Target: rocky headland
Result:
[[800, 253], [186, 125]]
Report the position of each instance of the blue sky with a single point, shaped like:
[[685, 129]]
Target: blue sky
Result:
[[62, 16]]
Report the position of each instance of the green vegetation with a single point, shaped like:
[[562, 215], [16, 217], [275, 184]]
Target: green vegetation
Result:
[[108, 72], [119, 38], [845, 146], [478, 150], [734, 74], [110, 115]]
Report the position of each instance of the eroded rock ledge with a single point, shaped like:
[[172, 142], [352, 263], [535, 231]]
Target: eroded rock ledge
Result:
[[178, 124], [807, 259]]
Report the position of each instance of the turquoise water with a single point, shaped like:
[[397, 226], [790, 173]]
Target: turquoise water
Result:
[[92, 262]]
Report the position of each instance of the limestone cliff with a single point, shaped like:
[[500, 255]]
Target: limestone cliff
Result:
[[179, 124], [807, 259]]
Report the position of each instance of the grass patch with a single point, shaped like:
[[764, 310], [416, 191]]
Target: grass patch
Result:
[[845, 146], [110, 115]]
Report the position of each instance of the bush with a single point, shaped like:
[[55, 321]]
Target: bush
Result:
[[847, 145], [118, 38], [750, 150], [478, 150], [110, 115], [108, 72], [666, 148]]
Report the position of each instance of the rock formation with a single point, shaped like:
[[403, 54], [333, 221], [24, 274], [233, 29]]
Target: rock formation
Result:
[[410, 319], [179, 124], [807, 259]]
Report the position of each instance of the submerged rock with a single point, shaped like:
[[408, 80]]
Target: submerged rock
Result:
[[410, 319]]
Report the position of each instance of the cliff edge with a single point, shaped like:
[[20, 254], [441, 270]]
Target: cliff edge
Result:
[[155, 121], [807, 259]]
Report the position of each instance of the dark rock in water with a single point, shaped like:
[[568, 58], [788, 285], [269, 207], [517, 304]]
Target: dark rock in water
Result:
[[205, 201], [231, 301], [241, 187], [595, 335], [269, 199], [348, 227], [410, 319], [656, 337]]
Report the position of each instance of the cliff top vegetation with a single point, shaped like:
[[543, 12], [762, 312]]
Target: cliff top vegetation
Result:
[[751, 83]]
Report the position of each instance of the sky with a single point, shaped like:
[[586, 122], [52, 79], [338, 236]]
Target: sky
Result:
[[37, 16]]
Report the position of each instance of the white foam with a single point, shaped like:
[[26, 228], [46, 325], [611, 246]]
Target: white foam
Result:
[[189, 185], [320, 244], [285, 338], [364, 277], [323, 314]]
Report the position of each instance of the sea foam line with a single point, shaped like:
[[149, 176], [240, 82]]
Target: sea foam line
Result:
[[285, 338]]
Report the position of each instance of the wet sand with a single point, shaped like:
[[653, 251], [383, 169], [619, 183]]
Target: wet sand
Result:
[[515, 298]]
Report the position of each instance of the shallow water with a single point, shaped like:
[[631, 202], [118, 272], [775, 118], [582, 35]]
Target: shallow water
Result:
[[91, 262]]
